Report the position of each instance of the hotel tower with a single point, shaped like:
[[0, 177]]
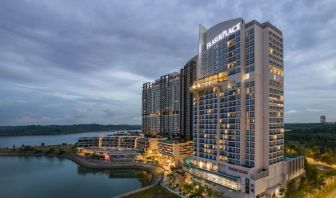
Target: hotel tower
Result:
[[161, 106], [238, 110]]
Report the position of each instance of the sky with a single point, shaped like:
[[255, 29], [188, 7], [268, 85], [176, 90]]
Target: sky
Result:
[[84, 61]]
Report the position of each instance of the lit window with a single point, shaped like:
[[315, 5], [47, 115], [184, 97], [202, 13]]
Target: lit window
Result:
[[247, 76]]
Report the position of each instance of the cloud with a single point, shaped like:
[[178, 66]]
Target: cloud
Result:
[[65, 62], [291, 111]]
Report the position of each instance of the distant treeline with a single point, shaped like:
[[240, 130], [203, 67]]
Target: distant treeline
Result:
[[293, 126], [311, 135], [61, 129]]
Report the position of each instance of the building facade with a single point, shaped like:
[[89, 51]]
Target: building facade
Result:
[[188, 76], [111, 141], [167, 104], [323, 119], [161, 106], [238, 108], [175, 150], [151, 108], [118, 142], [145, 144], [108, 154]]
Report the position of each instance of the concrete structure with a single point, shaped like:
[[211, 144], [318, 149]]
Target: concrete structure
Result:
[[147, 144], [323, 119], [294, 167], [88, 142], [109, 154], [128, 133], [175, 150], [151, 108], [161, 107], [119, 142], [238, 109], [112, 141], [167, 104], [188, 76]]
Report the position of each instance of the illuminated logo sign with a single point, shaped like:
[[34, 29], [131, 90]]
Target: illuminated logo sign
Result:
[[224, 34]]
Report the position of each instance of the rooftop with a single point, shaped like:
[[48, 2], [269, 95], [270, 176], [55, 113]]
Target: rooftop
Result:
[[173, 141]]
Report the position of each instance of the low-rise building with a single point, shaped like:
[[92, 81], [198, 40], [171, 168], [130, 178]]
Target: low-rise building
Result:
[[88, 142], [113, 141], [145, 144], [110, 154], [127, 133], [175, 150], [128, 141], [294, 167], [110, 141], [120, 142]]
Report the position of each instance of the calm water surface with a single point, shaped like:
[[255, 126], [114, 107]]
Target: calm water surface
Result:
[[35, 177], [36, 140]]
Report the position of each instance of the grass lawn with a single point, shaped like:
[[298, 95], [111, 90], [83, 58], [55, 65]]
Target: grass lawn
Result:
[[155, 192]]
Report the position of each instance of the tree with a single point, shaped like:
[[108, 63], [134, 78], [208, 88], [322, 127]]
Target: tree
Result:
[[60, 152], [50, 151]]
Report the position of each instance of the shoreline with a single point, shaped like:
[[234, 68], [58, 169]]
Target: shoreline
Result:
[[156, 171], [56, 134]]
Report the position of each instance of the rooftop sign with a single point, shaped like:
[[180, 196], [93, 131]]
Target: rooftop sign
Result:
[[224, 34]]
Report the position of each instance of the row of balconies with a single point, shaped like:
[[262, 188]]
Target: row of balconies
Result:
[[207, 97], [208, 156], [210, 101], [275, 155], [276, 63]]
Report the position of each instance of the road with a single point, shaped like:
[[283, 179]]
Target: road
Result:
[[324, 167], [332, 194], [312, 161]]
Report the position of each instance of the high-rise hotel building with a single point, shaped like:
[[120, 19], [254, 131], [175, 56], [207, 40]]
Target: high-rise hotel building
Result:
[[188, 76], [238, 108], [161, 106], [167, 104]]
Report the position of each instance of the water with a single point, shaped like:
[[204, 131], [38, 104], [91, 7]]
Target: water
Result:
[[36, 140], [35, 177]]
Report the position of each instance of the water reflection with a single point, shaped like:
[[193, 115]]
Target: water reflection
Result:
[[35, 177], [143, 176]]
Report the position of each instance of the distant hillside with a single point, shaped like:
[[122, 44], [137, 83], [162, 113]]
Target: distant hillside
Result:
[[61, 129]]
